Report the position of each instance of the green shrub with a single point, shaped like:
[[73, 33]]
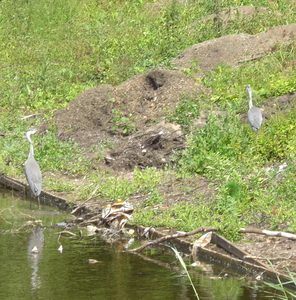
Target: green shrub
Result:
[[278, 140]]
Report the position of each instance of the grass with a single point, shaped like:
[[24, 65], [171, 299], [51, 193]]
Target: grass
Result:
[[52, 51], [280, 289], [180, 259]]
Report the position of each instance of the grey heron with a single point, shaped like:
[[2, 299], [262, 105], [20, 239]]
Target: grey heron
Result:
[[254, 113], [32, 170]]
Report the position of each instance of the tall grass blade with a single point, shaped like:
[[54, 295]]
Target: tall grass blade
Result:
[[185, 268]]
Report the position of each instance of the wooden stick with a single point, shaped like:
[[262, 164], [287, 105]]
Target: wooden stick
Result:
[[173, 236], [268, 232]]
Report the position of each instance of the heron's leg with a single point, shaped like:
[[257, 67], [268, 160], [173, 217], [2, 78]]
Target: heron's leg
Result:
[[38, 202]]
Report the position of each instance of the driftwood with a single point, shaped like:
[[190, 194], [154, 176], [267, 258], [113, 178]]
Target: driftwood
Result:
[[173, 236], [268, 232]]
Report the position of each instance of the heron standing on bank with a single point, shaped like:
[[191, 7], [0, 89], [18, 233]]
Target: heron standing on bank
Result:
[[32, 170], [254, 113]]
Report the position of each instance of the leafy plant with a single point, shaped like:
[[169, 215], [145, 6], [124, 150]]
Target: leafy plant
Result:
[[218, 141], [153, 199], [187, 109], [280, 134], [124, 123]]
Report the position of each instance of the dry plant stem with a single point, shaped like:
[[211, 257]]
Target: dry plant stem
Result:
[[268, 232], [92, 220], [7, 208], [173, 236], [89, 198]]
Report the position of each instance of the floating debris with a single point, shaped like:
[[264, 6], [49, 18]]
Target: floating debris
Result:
[[91, 230], [117, 214], [92, 261], [148, 232], [129, 243]]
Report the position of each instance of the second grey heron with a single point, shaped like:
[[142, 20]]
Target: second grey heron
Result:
[[32, 170], [254, 113]]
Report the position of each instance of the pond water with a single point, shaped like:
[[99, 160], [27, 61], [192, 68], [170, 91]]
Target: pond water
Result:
[[66, 274]]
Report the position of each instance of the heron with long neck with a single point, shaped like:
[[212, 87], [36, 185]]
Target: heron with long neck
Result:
[[254, 113], [32, 170]]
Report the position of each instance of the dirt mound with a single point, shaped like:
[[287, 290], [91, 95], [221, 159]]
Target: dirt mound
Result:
[[151, 149], [130, 117], [235, 48]]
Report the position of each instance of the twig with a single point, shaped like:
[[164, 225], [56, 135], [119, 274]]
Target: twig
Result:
[[268, 232], [137, 197], [173, 236], [30, 116], [6, 208]]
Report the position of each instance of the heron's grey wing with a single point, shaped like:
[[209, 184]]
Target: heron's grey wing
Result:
[[33, 175], [255, 117]]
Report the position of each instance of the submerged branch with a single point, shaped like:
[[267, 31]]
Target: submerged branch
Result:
[[173, 236]]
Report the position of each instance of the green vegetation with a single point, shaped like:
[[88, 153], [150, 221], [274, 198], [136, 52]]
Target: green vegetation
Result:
[[281, 291], [121, 122], [52, 50]]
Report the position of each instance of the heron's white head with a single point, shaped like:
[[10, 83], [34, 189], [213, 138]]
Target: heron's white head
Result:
[[31, 131], [248, 88]]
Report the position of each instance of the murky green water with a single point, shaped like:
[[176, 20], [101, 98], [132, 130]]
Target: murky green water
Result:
[[52, 274]]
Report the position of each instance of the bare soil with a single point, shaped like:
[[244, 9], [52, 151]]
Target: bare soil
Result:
[[146, 99], [143, 101]]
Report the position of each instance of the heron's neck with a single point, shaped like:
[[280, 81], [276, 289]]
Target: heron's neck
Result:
[[250, 100], [31, 151]]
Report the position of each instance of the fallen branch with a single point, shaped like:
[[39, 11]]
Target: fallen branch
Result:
[[173, 236], [268, 232]]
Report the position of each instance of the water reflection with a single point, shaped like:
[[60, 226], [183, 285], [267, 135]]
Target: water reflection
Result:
[[34, 250]]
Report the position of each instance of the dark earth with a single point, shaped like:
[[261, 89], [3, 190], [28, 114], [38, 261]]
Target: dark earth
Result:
[[132, 117]]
